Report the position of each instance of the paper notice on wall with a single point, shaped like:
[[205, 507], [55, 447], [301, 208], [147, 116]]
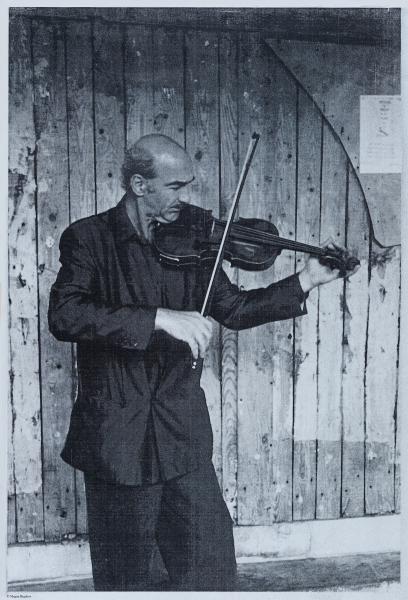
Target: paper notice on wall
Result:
[[380, 134]]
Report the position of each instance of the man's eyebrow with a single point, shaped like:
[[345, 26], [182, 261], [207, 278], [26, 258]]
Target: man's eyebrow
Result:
[[180, 183]]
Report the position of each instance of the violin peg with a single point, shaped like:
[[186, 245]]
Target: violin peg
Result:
[[352, 263]]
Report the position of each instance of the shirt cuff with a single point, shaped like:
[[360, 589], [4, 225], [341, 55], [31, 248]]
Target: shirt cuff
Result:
[[303, 296]]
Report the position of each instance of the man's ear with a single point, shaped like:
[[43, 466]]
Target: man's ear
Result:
[[137, 184]]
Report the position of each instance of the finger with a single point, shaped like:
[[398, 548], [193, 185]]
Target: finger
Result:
[[327, 242], [200, 335], [202, 343], [350, 273], [193, 346], [204, 326], [206, 323], [209, 324], [339, 247], [206, 342]]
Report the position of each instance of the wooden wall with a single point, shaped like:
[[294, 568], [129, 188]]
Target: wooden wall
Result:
[[304, 413]]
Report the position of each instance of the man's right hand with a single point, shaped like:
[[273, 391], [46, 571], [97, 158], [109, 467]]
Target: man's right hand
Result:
[[189, 327]]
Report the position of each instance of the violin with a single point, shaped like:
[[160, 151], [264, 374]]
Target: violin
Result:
[[193, 240], [196, 238]]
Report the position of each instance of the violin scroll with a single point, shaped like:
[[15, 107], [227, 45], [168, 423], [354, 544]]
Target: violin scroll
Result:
[[339, 259]]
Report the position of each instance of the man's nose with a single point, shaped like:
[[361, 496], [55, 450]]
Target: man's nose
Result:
[[184, 195]]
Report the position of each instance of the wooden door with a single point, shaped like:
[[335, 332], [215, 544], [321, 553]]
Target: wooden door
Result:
[[303, 412]]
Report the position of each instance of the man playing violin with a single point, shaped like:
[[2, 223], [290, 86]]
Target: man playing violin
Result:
[[140, 429]]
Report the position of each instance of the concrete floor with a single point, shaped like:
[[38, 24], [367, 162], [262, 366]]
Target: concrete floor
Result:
[[359, 572]]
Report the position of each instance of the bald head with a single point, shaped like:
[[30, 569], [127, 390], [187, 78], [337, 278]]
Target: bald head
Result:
[[161, 147], [149, 155]]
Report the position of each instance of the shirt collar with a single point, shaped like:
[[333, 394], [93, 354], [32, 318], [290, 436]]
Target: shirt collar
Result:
[[122, 226]]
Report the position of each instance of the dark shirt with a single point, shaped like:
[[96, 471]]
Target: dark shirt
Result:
[[141, 416]]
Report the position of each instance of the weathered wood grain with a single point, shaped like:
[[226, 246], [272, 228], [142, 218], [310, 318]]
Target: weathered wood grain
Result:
[[116, 83], [24, 415], [229, 179], [168, 94], [229, 340], [381, 379], [336, 75], [254, 358], [305, 345], [383, 325], [254, 401], [11, 512], [138, 82], [268, 105], [397, 474], [201, 114], [334, 194], [354, 346], [108, 65], [80, 120], [283, 209], [229, 141], [53, 217], [81, 169], [398, 431], [201, 110]]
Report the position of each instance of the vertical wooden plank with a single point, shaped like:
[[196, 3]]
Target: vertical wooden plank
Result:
[[168, 60], [334, 194], [201, 110], [14, 44], [202, 134], [254, 358], [268, 105], [381, 379], [229, 374], [80, 120], [81, 168], [307, 231], [229, 179], [382, 343], [354, 346], [25, 406], [139, 82], [398, 424], [283, 208], [397, 474], [11, 486], [11, 511], [53, 218], [109, 113]]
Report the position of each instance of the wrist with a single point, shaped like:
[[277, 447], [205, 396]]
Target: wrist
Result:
[[159, 320], [305, 281]]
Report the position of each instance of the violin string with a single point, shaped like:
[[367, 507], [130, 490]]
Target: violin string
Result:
[[261, 236], [285, 243], [278, 241]]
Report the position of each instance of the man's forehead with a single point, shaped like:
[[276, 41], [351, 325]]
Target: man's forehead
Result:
[[177, 167], [169, 158]]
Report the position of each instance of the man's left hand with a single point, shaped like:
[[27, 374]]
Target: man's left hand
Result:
[[314, 273]]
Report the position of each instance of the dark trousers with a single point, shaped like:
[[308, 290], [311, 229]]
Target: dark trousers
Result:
[[186, 517]]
